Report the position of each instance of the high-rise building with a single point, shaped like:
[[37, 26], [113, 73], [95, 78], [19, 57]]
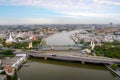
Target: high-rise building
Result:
[[111, 24]]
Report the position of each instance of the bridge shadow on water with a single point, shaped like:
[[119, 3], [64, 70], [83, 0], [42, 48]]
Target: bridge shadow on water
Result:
[[76, 64]]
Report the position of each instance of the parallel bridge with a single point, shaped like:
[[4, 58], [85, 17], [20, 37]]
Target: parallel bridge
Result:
[[62, 47]]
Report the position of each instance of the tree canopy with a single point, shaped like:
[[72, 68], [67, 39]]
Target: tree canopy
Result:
[[109, 49]]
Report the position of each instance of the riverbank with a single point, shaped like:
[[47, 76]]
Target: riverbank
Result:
[[11, 66], [114, 71]]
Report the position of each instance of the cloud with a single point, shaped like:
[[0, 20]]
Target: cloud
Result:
[[109, 2], [85, 14], [56, 4], [67, 9], [61, 5]]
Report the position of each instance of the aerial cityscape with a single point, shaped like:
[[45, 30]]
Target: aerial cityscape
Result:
[[59, 40]]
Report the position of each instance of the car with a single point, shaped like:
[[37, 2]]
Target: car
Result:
[[54, 55]]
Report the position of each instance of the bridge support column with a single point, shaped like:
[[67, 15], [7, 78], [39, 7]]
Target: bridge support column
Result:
[[70, 49], [52, 49], [45, 58], [83, 62]]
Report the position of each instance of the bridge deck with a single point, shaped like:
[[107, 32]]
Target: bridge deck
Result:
[[91, 59]]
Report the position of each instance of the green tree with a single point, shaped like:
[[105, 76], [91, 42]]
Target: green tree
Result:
[[109, 49], [114, 66], [37, 42], [7, 53]]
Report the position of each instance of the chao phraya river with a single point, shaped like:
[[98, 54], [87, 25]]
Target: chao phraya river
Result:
[[39, 69]]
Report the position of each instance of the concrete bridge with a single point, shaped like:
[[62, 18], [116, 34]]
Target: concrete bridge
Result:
[[83, 59]]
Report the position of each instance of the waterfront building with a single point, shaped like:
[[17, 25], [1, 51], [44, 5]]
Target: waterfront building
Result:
[[10, 39], [88, 51], [108, 38], [30, 45], [9, 70], [33, 37], [92, 44], [3, 77]]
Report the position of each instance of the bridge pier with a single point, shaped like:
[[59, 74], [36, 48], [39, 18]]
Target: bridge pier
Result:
[[83, 62], [70, 49], [52, 49], [45, 58]]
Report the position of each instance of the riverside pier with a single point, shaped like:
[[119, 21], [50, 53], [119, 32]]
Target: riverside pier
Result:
[[16, 61]]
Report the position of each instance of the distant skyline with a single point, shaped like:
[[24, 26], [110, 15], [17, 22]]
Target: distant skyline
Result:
[[59, 12]]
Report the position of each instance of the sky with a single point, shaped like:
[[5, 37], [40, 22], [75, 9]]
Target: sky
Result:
[[59, 11]]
